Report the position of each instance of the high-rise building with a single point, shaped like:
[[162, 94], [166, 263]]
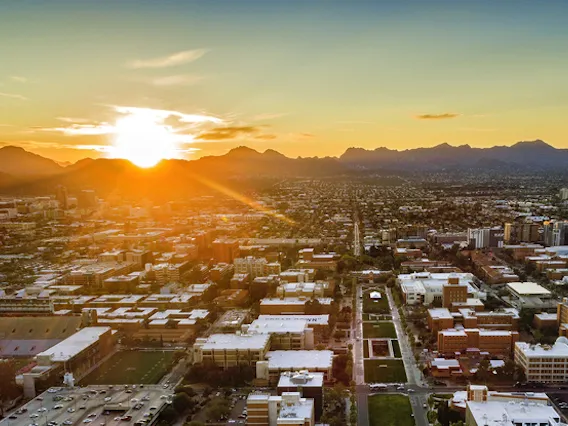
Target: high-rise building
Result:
[[481, 238], [225, 251], [563, 194], [61, 197], [556, 233]]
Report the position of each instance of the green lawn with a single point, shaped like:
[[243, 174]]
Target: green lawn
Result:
[[365, 349], [396, 349], [131, 367], [376, 306], [393, 373], [378, 329], [390, 410]]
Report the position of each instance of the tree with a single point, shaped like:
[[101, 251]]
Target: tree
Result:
[[182, 402], [8, 388], [169, 414], [217, 409], [194, 423]]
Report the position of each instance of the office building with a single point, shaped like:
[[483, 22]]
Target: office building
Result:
[[225, 250], [229, 350], [253, 266], [468, 340], [286, 335], [543, 363], [484, 407], [428, 287], [482, 238], [62, 197], [309, 385], [288, 409]]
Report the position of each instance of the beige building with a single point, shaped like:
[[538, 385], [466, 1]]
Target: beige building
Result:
[[288, 409], [229, 350], [544, 363]]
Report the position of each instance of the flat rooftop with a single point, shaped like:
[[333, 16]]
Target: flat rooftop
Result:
[[74, 344], [494, 412], [310, 319], [262, 326], [236, 341], [299, 360], [528, 289]]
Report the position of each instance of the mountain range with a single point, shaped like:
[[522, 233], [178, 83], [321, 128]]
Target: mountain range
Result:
[[22, 172]]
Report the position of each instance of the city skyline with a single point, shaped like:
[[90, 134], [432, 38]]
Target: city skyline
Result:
[[301, 78]]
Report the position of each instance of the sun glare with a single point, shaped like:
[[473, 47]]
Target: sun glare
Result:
[[143, 141]]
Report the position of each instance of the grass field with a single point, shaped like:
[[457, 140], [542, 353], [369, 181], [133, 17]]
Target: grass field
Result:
[[396, 349], [365, 349], [380, 306], [393, 373], [378, 329], [390, 410], [130, 367]]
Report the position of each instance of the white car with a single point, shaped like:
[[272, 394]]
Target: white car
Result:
[[87, 420], [70, 410], [107, 398], [42, 410]]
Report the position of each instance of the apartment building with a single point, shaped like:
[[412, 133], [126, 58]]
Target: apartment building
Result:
[[562, 317], [543, 363], [309, 260], [294, 305], [228, 350], [452, 341], [225, 250]]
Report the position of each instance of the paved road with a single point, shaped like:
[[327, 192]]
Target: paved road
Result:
[[356, 237]]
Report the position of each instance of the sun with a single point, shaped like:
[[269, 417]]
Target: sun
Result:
[[143, 140]]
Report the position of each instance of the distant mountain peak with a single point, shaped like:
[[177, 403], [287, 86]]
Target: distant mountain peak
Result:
[[242, 151], [272, 153], [537, 143]]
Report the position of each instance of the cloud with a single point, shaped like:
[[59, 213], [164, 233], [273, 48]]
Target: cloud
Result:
[[306, 135], [178, 58], [13, 96], [81, 129], [269, 116], [73, 120], [443, 116], [163, 114], [266, 137], [224, 133], [176, 80], [19, 78]]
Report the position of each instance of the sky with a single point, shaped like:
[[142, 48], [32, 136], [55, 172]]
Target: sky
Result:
[[306, 78]]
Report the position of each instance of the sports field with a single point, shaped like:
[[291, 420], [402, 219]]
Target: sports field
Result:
[[131, 367]]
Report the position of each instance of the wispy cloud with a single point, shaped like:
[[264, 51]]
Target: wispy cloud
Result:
[[176, 80], [444, 116], [13, 96], [73, 120], [163, 114], [269, 116], [174, 59], [224, 133], [266, 137], [18, 78]]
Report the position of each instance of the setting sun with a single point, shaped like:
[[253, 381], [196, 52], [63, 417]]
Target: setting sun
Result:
[[143, 141]]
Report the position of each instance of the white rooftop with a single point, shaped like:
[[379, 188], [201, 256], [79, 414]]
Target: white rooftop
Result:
[[236, 341], [511, 413], [262, 326], [528, 289], [299, 360], [74, 344], [310, 319], [303, 379], [558, 350]]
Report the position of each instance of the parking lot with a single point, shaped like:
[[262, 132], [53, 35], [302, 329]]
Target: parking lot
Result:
[[96, 405]]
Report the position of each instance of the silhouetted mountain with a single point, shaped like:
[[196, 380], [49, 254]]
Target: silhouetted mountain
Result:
[[171, 178], [532, 154], [18, 162]]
